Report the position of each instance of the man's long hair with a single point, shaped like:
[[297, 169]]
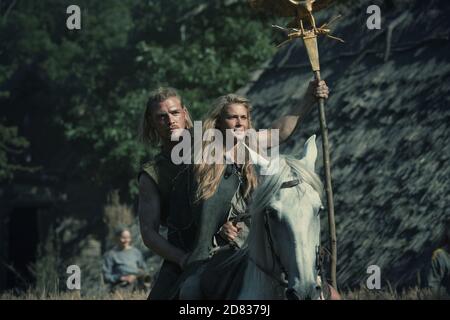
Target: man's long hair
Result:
[[148, 133], [208, 176]]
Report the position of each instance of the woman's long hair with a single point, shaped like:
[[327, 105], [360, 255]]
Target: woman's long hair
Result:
[[208, 176]]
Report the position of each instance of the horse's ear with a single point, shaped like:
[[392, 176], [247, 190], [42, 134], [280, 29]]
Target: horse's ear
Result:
[[257, 159], [310, 153], [262, 165]]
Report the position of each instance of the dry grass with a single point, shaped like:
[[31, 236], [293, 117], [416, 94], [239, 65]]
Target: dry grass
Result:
[[361, 294], [74, 295], [116, 214], [389, 294]]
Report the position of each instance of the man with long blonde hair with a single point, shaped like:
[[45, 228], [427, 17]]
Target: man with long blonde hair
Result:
[[164, 114]]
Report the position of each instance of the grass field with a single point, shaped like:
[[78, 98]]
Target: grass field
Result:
[[361, 294]]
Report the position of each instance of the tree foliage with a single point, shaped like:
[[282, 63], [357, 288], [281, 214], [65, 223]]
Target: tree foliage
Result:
[[11, 144], [92, 83]]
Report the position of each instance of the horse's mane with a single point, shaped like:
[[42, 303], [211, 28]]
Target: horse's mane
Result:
[[272, 183], [263, 195]]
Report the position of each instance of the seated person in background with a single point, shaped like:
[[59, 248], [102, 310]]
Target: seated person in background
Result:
[[124, 266], [439, 272]]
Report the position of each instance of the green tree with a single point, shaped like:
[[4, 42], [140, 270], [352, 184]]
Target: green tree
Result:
[[11, 144], [97, 79]]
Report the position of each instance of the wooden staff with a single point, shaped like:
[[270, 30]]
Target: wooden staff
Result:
[[302, 10]]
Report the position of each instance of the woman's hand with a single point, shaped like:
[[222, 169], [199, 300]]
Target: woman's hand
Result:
[[316, 90], [321, 90], [229, 231]]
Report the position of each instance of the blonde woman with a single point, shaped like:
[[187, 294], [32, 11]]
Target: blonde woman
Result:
[[232, 112], [223, 188]]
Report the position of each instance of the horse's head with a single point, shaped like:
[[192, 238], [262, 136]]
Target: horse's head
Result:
[[286, 207]]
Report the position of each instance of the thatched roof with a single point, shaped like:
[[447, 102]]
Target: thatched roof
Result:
[[388, 117]]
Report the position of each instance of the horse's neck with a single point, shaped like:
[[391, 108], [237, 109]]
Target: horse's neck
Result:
[[259, 286]]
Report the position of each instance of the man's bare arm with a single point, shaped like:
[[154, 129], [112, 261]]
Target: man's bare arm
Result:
[[149, 216]]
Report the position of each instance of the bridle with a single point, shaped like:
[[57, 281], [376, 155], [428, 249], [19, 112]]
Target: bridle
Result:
[[275, 257]]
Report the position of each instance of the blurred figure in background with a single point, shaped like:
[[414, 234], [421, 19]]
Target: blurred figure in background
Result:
[[438, 276], [123, 266]]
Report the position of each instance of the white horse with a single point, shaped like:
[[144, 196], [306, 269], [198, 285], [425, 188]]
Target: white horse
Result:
[[285, 230], [282, 247]]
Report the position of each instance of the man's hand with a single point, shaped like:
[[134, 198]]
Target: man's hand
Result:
[[229, 231]]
